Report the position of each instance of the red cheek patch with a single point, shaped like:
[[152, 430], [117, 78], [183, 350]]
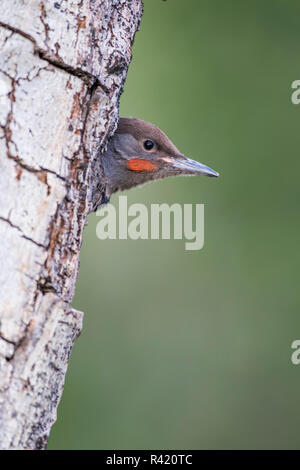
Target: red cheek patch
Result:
[[136, 164]]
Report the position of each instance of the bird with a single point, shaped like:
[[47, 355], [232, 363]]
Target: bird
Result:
[[139, 152]]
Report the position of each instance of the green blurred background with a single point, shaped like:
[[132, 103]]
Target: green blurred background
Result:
[[185, 349]]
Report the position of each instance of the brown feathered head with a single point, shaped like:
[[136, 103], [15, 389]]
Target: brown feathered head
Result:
[[139, 152]]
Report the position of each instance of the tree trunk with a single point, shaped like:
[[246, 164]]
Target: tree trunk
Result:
[[62, 69]]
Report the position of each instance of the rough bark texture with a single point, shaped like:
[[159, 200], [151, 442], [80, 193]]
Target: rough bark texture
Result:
[[62, 68]]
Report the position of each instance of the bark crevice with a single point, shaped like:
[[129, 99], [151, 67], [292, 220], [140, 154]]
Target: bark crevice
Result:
[[117, 62]]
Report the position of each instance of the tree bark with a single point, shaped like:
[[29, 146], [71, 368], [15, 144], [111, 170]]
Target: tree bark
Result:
[[62, 69]]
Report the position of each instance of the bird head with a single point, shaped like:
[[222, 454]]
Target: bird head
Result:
[[139, 152]]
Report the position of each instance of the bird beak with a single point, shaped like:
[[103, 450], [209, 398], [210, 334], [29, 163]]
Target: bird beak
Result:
[[191, 167]]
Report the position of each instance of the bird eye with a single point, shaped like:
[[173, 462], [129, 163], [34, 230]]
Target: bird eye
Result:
[[148, 144]]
